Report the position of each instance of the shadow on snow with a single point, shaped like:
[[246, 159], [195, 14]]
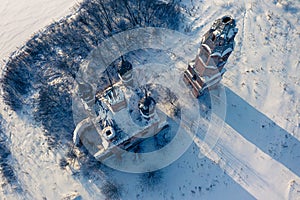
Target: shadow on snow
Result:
[[260, 130]]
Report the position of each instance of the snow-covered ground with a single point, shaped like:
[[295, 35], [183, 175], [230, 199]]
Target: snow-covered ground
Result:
[[258, 153], [20, 19]]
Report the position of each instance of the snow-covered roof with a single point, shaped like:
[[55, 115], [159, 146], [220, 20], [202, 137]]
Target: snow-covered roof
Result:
[[220, 37]]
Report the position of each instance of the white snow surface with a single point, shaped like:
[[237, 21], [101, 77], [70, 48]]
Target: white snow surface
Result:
[[20, 19], [258, 153]]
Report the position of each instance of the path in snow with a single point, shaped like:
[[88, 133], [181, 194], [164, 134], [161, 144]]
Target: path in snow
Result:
[[257, 172], [36, 165]]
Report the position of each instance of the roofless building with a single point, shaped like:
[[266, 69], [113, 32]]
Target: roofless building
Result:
[[118, 118]]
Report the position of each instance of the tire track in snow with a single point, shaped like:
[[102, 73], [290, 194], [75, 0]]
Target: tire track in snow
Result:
[[10, 185], [255, 171], [37, 166]]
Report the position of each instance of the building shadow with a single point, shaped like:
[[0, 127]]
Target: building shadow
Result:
[[259, 129]]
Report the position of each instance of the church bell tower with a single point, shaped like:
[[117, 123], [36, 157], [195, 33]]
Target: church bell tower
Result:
[[207, 69]]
